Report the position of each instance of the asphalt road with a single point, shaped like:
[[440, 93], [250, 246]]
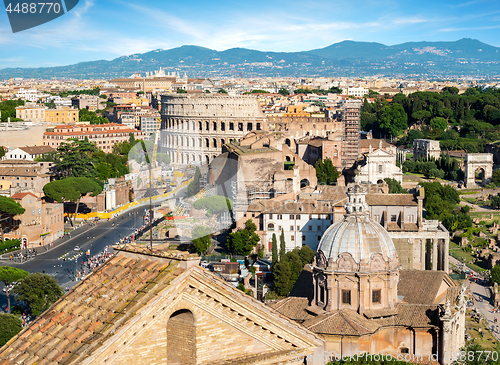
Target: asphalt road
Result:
[[95, 238]]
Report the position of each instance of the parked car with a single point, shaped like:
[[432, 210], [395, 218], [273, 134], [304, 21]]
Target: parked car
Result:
[[77, 248]]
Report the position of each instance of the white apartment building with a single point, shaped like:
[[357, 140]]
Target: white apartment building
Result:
[[29, 94], [355, 91]]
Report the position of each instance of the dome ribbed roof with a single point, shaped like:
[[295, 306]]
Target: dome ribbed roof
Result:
[[359, 236]]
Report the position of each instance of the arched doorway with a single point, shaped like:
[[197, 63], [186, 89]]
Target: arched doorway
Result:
[[181, 338], [287, 142], [479, 175], [304, 183]]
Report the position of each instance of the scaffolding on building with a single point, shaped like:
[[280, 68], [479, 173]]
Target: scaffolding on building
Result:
[[351, 132]]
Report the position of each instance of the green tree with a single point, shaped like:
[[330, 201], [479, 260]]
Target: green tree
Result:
[[337, 90], [244, 240], [221, 91], [215, 204], [38, 292], [8, 209], [194, 186], [72, 189], [495, 201], [282, 274], [2, 152], [283, 92], [9, 275], [282, 244], [181, 91], [326, 173], [394, 119], [275, 249], [439, 123], [495, 178], [201, 239], [394, 186], [495, 274], [75, 158], [11, 325]]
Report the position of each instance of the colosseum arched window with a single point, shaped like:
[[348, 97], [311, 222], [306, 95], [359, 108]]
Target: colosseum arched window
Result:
[[207, 143], [200, 126], [199, 143], [207, 126], [214, 126], [222, 126], [214, 143], [249, 126], [231, 126]]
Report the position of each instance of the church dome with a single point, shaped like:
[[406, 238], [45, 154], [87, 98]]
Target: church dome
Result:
[[359, 236]]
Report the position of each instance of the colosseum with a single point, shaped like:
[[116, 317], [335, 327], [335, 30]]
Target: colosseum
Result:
[[198, 125]]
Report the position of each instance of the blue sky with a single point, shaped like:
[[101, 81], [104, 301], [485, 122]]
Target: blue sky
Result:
[[106, 29]]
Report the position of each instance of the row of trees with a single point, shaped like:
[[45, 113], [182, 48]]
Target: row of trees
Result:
[[474, 117], [444, 167], [441, 203], [8, 110], [35, 293]]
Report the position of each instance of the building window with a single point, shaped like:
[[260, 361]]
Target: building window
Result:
[[376, 296], [291, 216], [404, 350], [319, 228], [39, 210], [280, 216], [310, 228], [279, 228], [298, 228], [291, 228], [303, 238], [319, 238], [292, 238], [393, 218], [380, 168], [297, 216], [270, 227], [270, 216], [346, 297], [322, 294], [33, 212]]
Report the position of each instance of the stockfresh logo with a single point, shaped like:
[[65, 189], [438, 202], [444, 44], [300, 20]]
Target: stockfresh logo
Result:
[[25, 15]]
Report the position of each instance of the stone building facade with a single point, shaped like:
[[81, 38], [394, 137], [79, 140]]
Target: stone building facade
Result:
[[378, 165], [160, 309], [425, 149], [198, 125], [357, 298]]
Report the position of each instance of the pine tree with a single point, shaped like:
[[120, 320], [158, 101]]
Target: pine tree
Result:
[[282, 244], [275, 249]]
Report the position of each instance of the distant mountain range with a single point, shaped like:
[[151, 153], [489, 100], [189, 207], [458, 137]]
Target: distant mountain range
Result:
[[433, 60]]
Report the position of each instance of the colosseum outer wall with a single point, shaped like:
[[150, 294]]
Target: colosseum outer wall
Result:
[[200, 124]]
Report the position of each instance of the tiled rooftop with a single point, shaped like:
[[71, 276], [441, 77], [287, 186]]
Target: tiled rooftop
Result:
[[83, 318]]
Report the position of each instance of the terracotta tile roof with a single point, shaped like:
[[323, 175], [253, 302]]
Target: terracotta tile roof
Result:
[[391, 199], [342, 322], [293, 308], [412, 315], [36, 150], [408, 227], [19, 196], [421, 287], [19, 171], [375, 143]]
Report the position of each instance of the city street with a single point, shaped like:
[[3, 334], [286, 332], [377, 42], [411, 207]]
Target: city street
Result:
[[482, 299], [95, 238]]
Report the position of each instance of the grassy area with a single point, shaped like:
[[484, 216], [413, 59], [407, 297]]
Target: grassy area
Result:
[[484, 338], [467, 192]]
